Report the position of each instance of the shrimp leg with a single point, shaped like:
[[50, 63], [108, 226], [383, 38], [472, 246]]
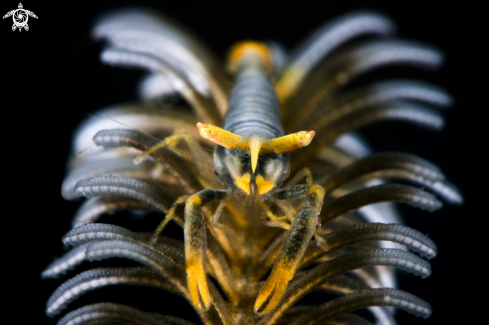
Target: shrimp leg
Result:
[[293, 250], [195, 246]]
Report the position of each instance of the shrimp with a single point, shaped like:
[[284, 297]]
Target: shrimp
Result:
[[247, 224]]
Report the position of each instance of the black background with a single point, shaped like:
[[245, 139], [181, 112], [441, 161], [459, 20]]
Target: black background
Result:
[[51, 78]]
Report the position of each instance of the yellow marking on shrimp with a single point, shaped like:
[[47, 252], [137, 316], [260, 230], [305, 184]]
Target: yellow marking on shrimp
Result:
[[241, 49], [221, 137], [197, 283], [319, 190], [255, 144], [195, 200], [291, 141], [264, 186], [280, 222], [243, 183], [273, 289]]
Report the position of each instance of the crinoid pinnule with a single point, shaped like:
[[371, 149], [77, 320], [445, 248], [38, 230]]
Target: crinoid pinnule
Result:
[[255, 241]]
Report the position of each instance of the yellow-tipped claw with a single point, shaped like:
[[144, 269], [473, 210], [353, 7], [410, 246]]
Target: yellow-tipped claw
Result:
[[197, 284], [272, 292]]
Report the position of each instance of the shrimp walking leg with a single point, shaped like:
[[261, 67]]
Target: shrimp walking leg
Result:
[[168, 217], [195, 246], [195, 151], [288, 209], [293, 250], [303, 173], [170, 142]]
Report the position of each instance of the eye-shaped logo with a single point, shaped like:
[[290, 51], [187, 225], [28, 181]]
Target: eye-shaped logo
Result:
[[20, 17]]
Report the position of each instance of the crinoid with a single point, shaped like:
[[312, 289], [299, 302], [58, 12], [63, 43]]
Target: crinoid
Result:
[[255, 242]]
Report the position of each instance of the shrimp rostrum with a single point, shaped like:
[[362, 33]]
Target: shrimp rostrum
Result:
[[244, 226]]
